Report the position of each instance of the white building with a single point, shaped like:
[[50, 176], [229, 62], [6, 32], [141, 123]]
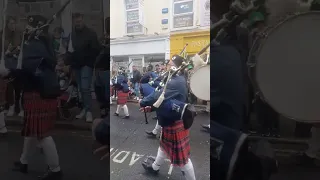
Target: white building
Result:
[[137, 34], [141, 29]]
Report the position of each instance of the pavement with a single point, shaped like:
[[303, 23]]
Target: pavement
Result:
[[75, 151], [130, 146]]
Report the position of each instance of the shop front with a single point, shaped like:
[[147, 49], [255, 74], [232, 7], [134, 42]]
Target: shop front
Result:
[[196, 41], [138, 51]]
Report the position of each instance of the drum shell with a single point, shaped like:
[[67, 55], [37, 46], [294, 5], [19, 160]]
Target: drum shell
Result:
[[256, 48], [189, 83]]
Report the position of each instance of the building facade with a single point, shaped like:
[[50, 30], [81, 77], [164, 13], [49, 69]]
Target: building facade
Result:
[[138, 35], [92, 10]]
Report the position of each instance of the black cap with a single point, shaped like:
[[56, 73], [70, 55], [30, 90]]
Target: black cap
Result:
[[177, 60], [36, 20]]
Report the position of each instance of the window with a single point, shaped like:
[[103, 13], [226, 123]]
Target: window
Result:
[[183, 14], [133, 25]]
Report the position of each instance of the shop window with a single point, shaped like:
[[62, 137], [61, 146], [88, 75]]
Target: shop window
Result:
[[133, 25], [183, 14]]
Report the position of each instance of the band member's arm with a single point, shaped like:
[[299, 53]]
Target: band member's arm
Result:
[[149, 100]]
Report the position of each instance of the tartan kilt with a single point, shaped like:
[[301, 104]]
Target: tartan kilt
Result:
[[122, 98], [39, 115], [175, 143]]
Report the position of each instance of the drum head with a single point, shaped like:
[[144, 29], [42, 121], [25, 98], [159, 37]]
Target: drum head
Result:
[[199, 82], [287, 68]]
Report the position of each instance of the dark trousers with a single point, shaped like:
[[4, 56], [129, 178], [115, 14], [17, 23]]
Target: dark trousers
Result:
[[13, 95], [267, 117]]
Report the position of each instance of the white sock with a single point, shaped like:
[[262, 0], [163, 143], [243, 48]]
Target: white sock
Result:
[[188, 171], [3, 128], [126, 110], [314, 143], [110, 100], [159, 159], [51, 154], [118, 109], [209, 125], [156, 129], [29, 148]]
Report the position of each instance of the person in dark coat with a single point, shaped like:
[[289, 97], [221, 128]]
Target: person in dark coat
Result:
[[102, 70], [174, 134], [83, 50], [136, 76], [41, 90]]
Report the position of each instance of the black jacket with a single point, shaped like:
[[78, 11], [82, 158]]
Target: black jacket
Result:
[[86, 48], [136, 76], [227, 86], [103, 60]]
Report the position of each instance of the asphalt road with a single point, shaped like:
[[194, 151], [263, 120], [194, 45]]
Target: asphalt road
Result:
[[130, 146], [76, 158]]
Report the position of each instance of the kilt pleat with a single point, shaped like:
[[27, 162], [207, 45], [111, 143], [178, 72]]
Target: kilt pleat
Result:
[[175, 142], [122, 98], [39, 115]]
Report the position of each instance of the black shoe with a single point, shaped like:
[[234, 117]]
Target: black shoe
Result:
[[206, 127], [126, 117], [51, 176], [18, 166], [150, 133], [147, 165], [116, 114]]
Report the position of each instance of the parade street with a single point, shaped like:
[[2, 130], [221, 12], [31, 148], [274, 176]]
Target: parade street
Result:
[[130, 146], [75, 151]]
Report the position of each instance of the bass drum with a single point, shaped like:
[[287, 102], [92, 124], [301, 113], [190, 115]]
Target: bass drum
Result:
[[199, 82], [284, 66]]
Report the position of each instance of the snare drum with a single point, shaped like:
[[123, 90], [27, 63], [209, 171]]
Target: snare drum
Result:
[[199, 82], [284, 66]]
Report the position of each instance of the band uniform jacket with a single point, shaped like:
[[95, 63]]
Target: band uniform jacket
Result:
[[177, 90]]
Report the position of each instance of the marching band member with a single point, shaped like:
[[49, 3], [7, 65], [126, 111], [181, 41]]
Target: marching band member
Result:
[[40, 100], [146, 82], [122, 88], [174, 134]]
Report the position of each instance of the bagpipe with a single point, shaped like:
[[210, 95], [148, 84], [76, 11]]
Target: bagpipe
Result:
[[171, 108]]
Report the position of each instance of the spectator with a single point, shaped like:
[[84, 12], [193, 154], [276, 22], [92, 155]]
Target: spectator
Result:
[[136, 81], [86, 47]]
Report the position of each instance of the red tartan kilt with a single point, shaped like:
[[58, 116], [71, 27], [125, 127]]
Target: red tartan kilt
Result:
[[122, 97], [3, 90], [175, 143], [111, 91], [39, 115]]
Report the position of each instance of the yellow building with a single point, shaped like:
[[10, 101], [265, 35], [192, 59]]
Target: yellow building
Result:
[[196, 41]]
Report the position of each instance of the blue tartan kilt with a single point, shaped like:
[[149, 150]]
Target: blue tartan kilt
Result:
[[225, 146]]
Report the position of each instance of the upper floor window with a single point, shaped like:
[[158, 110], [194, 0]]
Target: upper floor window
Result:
[[182, 14], [133, 25]]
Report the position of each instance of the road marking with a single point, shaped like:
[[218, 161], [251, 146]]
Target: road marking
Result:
[[115, 159], [120, 157], [133, 160]]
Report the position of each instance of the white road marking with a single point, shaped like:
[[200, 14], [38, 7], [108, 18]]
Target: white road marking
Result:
[[120, 157]]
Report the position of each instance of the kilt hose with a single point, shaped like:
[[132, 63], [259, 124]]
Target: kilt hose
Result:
[[39, 115], [174, 142], [122, 98]]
